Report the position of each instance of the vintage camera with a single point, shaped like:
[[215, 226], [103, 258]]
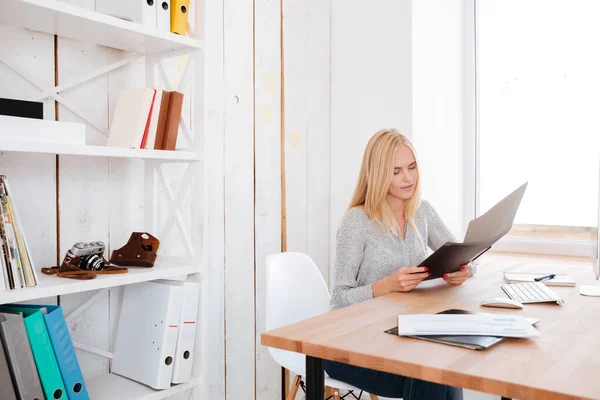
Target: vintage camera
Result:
[[86, 256]]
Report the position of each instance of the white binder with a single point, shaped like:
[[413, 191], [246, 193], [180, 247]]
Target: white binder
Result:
[[186, 339], [163, 15], [140, 11], [147, 333]]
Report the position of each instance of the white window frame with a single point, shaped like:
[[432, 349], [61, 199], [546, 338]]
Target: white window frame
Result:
[[471, 154]]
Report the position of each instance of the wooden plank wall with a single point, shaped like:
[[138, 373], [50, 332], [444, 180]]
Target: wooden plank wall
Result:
[[213, 362], [306, 50], [306, 64], [240, 351], [242, 168], [267, 99]]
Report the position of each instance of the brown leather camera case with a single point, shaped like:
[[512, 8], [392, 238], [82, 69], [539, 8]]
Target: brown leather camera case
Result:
[[140, 251]]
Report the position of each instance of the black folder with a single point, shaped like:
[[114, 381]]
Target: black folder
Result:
[[451, 256]]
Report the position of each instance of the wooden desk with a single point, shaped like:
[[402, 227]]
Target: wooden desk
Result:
[[563, 364]]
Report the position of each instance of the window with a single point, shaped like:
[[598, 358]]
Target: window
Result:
[[538, 105]]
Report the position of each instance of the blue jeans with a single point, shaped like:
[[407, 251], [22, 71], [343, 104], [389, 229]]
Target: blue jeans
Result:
[[390, 385]]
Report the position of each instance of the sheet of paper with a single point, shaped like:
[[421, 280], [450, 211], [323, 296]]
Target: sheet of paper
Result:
[[466, 324], [498, 220]]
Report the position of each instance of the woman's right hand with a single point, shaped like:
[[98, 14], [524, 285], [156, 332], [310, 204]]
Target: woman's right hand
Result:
[[403, 280]]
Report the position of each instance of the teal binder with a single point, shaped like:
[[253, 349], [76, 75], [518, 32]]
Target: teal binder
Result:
[[43, 353]]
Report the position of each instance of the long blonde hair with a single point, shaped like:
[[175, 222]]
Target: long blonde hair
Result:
[[375, 178]]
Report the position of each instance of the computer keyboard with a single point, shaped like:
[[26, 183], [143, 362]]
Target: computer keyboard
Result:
[[531, 292]]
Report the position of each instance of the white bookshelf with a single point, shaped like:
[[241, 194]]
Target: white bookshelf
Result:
[[65, 20], [115, 387], [52, 285], [84, 25], [96, 151]]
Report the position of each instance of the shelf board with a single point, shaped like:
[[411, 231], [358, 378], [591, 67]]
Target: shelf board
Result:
[[100, 151], [65, 20], [115, 387], [52, 285]]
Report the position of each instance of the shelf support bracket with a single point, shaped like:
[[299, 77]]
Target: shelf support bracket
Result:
[[58, 98], [175, 202], [84, 306]]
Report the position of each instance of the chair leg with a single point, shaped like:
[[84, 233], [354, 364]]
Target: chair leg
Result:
[[294, 389], [328, 392], [373, 397], [335, 394]]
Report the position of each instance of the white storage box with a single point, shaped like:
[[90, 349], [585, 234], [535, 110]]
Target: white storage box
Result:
[[41, 130]]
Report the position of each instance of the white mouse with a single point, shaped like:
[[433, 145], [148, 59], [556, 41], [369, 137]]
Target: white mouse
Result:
[[501, 302]]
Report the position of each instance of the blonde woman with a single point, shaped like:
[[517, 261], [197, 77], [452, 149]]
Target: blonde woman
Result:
[[381, 239]]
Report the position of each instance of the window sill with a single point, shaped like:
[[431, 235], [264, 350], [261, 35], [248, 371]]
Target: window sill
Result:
[[547, 247]]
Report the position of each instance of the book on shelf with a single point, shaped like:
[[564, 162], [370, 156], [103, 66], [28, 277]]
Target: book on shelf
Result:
[[17, 269], [146, 118]]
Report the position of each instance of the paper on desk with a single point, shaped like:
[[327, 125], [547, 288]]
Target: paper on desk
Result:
[[466, 324], [498, 220]]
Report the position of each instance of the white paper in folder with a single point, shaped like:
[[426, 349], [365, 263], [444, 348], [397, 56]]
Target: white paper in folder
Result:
[[501, 325]]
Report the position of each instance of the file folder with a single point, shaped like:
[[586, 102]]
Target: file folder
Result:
[[186, 338], [163, 16], [179, 16], [43, 353], [19, 356], [66, 357], [140, 11], [147, 333], [7, 390]]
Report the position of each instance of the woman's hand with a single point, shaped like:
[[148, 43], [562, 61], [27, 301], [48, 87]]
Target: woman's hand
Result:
[[403, 280], [457, 278]]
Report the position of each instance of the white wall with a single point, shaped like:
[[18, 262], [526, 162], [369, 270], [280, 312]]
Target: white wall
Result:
[[438, 105], [371, 88]]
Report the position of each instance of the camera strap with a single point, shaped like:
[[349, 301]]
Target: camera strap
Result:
[[67, 270]]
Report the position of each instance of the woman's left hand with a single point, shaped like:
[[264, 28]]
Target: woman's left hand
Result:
[[456, 278]]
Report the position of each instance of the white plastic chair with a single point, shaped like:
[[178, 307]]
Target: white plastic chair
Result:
[[296, 291]]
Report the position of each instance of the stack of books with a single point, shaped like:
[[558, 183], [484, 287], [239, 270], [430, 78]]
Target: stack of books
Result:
[[146, 119], [17, 269], [37, 356]]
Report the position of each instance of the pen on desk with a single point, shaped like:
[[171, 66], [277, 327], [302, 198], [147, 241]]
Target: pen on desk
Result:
[[541, 278]]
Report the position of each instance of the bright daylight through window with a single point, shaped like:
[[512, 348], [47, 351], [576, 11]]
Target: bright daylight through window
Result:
[[539, 113]]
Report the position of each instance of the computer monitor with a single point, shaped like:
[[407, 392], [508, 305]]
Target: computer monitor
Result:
[[596, 259], [594, 290]]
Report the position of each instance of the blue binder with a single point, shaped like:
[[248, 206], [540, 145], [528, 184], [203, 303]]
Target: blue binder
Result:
[[63, 350]]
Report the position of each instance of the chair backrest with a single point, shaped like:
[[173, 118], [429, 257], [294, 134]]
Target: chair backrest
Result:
[[296, 291]]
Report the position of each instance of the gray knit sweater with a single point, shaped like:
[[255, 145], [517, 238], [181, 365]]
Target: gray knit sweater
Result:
[[364, 254]]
